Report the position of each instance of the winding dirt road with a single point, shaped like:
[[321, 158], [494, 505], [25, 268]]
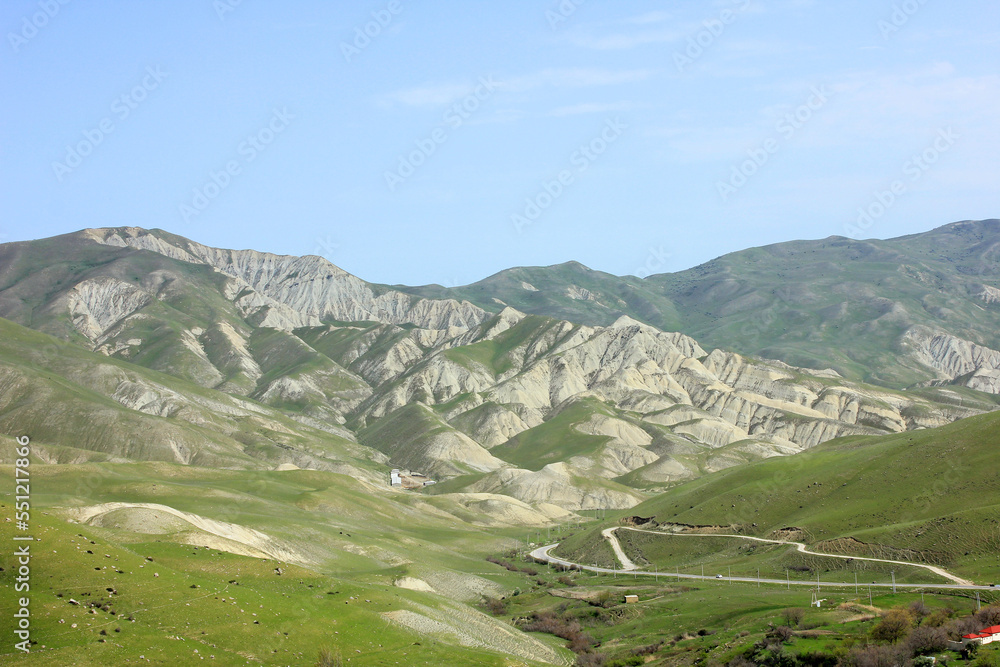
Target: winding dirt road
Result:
[[542, 554], [609, 533]]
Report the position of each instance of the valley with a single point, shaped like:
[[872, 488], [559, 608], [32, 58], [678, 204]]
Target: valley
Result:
[[213, 433]]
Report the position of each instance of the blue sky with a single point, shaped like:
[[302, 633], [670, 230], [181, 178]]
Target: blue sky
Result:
[[457, 139]]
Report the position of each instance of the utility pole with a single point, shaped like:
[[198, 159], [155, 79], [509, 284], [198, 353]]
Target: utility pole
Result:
[[979, 605], [788, 581], [870, 597], [855, 582], [730, 575], [758, 577], [893, 582], [702, 571]]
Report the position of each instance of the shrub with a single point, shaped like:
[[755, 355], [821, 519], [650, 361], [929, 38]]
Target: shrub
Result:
[[782, 633], [794, 616], [631, 661], [817, 659], [987, 660], [328, 658], [570, 630], [649, 649], [495, 606], [876, 656]]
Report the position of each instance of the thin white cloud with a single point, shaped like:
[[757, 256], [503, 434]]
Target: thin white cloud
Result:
[[649, 17], [573, 78], [591, 107], [623, 41], [429, 95]]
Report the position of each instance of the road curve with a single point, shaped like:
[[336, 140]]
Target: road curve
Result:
[[609, 535], [542, 554], [803, 549]]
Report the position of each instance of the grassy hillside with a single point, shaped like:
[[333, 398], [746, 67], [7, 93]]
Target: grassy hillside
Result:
[[831, 303], [175, 594], [927, 496], [79, 405]]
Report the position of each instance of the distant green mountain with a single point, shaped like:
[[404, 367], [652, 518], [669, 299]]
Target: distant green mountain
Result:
[[917, 309]]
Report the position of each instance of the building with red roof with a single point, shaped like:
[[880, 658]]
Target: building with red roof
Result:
[[985, 636]]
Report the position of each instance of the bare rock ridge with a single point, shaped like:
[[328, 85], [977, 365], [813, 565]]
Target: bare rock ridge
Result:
[[310, 288], [957, 360]]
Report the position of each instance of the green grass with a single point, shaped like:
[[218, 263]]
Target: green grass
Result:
[[361, 542], [557, 439], [925, 496]]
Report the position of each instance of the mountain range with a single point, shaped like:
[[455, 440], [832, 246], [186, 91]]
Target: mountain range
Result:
[[555, 386]]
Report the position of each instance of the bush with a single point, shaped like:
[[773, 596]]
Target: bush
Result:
[[570, 630], [328, 658], [987, 660], [649, 649], [876, 656], [782, 633], [631, 661], [793, 616], [495, 606], [817, 659]]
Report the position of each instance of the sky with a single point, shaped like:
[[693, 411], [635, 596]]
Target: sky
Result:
[[441, 142]]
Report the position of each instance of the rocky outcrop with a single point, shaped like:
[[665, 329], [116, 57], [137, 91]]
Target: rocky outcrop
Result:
[[311, 288], [956, 360], [98, 304]]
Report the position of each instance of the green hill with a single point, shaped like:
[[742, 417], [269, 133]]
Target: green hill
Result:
[[928, 496]]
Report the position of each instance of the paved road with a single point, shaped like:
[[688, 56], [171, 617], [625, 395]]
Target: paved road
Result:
[[542, 554]]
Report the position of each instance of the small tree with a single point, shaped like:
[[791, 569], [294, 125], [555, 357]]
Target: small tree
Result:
[[895, 625], [925, 639]]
